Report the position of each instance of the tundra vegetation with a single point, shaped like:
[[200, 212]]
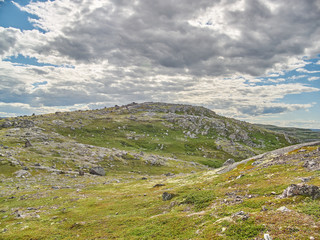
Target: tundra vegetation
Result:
[[154, 171]]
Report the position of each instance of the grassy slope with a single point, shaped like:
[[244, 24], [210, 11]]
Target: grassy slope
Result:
[[203, 206]]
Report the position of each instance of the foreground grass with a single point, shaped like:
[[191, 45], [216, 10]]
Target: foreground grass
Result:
[[204, 206]]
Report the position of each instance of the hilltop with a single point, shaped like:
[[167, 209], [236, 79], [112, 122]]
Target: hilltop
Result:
[[154, 171], [172, 131]]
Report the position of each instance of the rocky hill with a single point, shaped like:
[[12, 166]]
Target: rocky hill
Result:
[[155, 133], [154, 171]]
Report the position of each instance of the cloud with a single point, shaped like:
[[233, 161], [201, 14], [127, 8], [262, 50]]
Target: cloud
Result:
[[313, 78], [212, 53], [165, 34]]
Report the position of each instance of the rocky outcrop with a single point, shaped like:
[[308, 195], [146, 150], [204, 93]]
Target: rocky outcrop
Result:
[[229, 162], [312, 164], [98, 171], [301, 189], [22, 174]]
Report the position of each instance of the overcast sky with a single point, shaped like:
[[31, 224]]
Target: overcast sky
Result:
[[253, 60]]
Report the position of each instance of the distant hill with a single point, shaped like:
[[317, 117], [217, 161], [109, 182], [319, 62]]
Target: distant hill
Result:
[[304, 135], [185, 132]]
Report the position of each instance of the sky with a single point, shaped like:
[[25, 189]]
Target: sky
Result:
[[253, 60]]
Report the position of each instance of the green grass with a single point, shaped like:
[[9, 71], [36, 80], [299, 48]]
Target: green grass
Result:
[[199, 198], [246, 229]]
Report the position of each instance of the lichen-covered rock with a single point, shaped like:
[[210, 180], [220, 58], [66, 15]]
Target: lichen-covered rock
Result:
[[312, 164], [7, 124], [229, 162], [22, 174], [24, 124], [27, 143], [167, 196], [301, 189], [98, 171]]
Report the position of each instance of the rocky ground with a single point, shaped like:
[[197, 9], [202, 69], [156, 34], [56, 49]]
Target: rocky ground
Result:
[[137, 172], [274, 196]]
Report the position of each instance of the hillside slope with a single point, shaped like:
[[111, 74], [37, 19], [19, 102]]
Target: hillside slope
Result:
[[171, 131], [275, 194]]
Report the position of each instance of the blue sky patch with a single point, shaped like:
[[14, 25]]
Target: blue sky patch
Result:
[[20, 20], [20, 59], [37, 84]]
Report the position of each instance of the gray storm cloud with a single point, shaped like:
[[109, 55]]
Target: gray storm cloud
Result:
[[180, 51]]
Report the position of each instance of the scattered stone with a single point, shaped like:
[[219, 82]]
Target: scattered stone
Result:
[[7, 124], [22, 174], [283, 209], [27, 143], [58, 122], [25, 124], [312, 165], [263, 209], [240, 176], [242, 215], [97, 171], [266, 236], [37, 165], [229, 162], [31, 208], [159, 185], [301, 189], [144, 178], [167, 196], [305, 179], [169, 174], [81, 173]]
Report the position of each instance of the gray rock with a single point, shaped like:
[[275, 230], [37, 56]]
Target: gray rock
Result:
[[97, 171], [7, 124], [283, 209], [159, 185], [22, 174], [266, 236], [27, 143], [312, 165], [25, 124], [167, 196], [229, 162], [301, 189], [241, 215]]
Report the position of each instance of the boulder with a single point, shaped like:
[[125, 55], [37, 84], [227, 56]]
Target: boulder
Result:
[[7, 124], [22, 174], [312, 164], [167, 196], [97, 171], [25, 124], [27, 143], [229, 162], [301, 189], [284, 209]]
